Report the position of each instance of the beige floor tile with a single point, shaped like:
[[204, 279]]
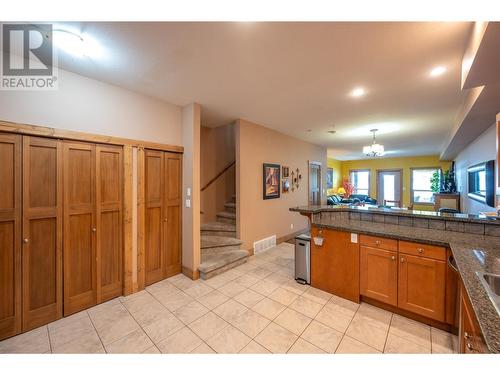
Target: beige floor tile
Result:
[[363, 329], [246, 280], [375, 315], [71, 331], [35, 341], [254, 348], [198, 290], [203, 349], [443, 342], [217, 281], [174, 301], [136, 301], [247, 267], [102, 315], [163, 287], [148, 312], [233, 274], [136, 342], [151, 350], [68, 320], [302, 346], [399, 345], [269, 308], [276, 278], [181, 342], [164, 325], [411, 330], [322, 336], [182, 282], [249, 298], [106, 307], [213, 299], [306, 306], [116, 329], [334, 319], [231, 289], [230, 310], [250, 323], [317, 295], [229, 340], [259, 272], [349, 345], [276, 339], [343, 305], [283, 296], [292, 320], [264, 287], [87, 343], [294, 286], [208, 325], [190, 312]]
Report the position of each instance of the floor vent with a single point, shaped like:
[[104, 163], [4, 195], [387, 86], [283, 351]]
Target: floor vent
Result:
[[264, 244]]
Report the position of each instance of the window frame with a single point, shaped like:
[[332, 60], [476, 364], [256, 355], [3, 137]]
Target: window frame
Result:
[[369, 179], [412, 195]]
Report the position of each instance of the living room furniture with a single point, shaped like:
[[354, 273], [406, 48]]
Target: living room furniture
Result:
[[448, 200]]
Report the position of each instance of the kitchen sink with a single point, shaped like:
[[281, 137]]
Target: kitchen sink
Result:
[[491, 283]]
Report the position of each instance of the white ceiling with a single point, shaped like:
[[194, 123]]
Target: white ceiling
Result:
[[295, 76]]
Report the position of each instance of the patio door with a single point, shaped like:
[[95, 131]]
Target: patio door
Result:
[[389, 187]]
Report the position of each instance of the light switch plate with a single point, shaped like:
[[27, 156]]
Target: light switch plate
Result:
[[354, 238], [188, 192], [188, 203]]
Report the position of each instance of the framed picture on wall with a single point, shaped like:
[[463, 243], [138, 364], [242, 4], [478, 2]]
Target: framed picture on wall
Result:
[[285, 185], [329, 178], [286, 172], [271, 181]]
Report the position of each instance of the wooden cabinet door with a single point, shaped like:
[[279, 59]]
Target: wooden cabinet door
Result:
[[172, 212], [42, 231], [10, 235], [379, 274], [109, 248], [422, 286], [154, 216], [335, 264], [79, 227]]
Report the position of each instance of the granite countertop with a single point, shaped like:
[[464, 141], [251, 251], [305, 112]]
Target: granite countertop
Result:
[[400, 212], [471, 252]]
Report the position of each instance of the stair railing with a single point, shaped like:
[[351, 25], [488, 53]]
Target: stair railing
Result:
[[212, 180]]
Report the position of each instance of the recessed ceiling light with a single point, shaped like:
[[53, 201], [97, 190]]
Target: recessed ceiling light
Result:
[[437, 71], [332, 131], [358, 92]]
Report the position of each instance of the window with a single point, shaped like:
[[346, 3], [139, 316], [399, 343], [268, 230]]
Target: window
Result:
[[421, 192], [361, 182]]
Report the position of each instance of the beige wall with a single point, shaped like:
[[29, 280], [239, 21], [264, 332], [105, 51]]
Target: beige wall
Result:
[[91, 106], [217, 151], [258, 218], [191, 180]]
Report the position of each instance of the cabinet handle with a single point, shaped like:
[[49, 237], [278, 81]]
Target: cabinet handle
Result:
[[165, 220], [469, 347], [377, 243], [467, 335], [402, 260], [393, 257], [26, 240], [420, 250], [94, 230]]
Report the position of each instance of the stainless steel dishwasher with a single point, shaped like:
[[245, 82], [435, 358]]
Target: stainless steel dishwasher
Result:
[[303, 258]]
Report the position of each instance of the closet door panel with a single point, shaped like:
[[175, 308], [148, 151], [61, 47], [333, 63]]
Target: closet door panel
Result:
[[42, 231], [80, 290], [109, 191], [172, 202], [10, 235], [154, 220]]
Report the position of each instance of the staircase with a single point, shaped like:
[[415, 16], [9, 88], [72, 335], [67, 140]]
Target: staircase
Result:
[[220, 249]]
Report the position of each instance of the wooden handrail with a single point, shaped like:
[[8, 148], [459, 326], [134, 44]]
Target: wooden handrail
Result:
[[218, 175]]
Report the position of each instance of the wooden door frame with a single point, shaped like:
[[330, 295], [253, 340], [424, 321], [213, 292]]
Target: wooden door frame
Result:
[[318, 163], [400, 170]]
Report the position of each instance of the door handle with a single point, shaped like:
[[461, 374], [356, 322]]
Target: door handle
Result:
[[393, 257], [94, 230], [402, 260], [165, 220], [25, 240], [420, 250]]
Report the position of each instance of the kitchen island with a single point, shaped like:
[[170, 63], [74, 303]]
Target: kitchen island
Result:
[[420, 242]]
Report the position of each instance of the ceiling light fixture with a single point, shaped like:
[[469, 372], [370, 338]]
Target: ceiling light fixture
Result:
[[358, 92], [374, 149], [437, 71], [75, 44]]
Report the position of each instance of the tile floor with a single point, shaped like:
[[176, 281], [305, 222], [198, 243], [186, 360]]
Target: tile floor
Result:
[[254, 308]]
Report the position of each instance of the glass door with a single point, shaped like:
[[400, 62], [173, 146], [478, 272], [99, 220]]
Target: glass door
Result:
[[389, 189]]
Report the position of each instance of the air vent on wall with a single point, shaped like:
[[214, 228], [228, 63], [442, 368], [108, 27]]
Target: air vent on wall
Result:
[[264, 244]]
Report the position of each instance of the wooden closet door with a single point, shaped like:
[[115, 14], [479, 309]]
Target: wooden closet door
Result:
[[42, 231], [10, 235], [172, 212], [109, 166], [80, 291], [154, 216]]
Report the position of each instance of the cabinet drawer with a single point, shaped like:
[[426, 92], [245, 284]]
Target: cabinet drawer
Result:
[[379, 242], [421, 250]]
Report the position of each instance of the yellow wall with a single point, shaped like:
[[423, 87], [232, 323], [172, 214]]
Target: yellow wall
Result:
[[393, 163], [336, 165]]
